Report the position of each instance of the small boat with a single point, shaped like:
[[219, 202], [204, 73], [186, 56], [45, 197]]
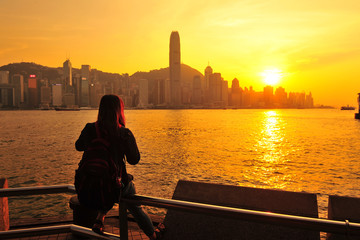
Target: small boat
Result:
[[67, 109], [347, 108]]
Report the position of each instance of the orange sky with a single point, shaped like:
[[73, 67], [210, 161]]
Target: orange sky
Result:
[[314, 43]]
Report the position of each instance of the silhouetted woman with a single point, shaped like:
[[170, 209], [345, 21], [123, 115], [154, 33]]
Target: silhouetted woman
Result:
[[111, 123]]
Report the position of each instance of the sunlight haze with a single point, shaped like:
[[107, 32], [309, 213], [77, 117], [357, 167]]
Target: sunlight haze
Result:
[[315, 44]]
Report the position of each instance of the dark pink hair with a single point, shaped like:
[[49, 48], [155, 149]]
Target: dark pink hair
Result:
[[111, 113]]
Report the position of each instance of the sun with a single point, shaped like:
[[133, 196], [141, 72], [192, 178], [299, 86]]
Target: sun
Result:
[[272, 76]]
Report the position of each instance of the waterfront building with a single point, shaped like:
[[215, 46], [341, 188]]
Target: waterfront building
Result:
[[84, 86], [77, 88], [236, 94], [33, 91], [309, 101], [224, 93], [7, 95], [268, 96], [69, 100], [67, 78], [17, 81], [4, 77], [175, 69], [208, 73], [154, 92], [45, 96], [56, 94], [280, 97], [207, 94], [167, 91], [196, 92], [143, 93]]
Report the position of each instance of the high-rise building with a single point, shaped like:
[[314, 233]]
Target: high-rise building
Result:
[[56, 94], [143, 92], [236, 94], [196, 91], [84, 86], [4, 77], [268, 96], [67, 70], [33, 91], [17, 81], [45, 98], [175, 69], [208, 73], [224, 93]]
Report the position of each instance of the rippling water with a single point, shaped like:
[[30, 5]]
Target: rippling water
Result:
[[310, 150]]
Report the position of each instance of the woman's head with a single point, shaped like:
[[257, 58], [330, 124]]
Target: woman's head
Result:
[[111, 112]]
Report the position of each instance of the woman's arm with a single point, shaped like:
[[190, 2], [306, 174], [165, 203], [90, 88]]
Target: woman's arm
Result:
[[131, 149], [85, 137]]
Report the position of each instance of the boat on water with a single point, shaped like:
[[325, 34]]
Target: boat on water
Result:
[[347, 108], [67, 109]]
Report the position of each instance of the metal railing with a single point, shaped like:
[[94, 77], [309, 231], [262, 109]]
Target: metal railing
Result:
[[317, 224]]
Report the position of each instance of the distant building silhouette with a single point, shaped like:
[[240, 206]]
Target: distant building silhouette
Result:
[[17, 81], [4, 77], [143, 92], [67, 71], [33, 91], [84, 85], [56, 94], [175, 69]]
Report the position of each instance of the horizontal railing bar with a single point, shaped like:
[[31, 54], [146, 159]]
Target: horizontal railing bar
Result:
[[35, 231], [308, 223], [315, 224], [24, 191], [87, 232]]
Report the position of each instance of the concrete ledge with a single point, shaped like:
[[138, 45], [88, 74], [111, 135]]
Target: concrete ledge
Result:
[[343, 208], [182, 225]]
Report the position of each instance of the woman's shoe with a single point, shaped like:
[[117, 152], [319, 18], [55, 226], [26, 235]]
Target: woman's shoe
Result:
[[98, 227], [159, 231]]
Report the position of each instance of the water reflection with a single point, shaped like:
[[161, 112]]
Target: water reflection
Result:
[[269, 167]]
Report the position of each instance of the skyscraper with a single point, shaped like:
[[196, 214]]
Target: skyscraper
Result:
[[84, 88], [175, 69], [67, 68]]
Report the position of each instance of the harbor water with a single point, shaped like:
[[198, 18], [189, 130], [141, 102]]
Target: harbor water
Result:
[[302, 150]]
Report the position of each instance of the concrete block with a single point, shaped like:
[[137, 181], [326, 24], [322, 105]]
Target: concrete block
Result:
[[82, 215], [341, 209], [4, 208], [181, 225]]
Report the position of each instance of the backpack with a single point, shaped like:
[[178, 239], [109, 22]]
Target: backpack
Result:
[[97, 181]]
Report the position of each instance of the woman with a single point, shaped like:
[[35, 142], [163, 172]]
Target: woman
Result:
[[111, 126]]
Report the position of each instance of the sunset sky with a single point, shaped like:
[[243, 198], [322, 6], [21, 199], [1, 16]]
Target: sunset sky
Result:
[[314, 45]]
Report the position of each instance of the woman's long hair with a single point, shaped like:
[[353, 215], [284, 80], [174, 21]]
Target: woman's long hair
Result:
[[111, 114]]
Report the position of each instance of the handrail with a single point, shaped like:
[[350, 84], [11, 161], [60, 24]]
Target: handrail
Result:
[[317, 224], [24, 191], [309, 223], [83, 231]]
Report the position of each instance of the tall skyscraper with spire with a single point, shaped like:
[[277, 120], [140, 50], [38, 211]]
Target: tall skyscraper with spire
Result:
[[175, 69], [67, 69]]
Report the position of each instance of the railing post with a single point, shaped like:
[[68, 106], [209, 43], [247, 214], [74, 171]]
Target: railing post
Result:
[[123, 224], [4, 208]]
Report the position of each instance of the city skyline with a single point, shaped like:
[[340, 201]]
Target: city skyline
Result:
[[312, 46]]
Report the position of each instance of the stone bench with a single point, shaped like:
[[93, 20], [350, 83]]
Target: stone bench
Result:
[[183, 225], [343, 208]]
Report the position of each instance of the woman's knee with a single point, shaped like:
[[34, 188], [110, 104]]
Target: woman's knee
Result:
[[130, 189]]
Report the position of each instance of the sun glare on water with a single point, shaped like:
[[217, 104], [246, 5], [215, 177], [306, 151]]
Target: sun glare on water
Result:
[[272, 76]]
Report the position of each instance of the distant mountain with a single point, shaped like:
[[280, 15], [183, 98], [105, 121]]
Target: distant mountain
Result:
[[187, 74], [26, 68]]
